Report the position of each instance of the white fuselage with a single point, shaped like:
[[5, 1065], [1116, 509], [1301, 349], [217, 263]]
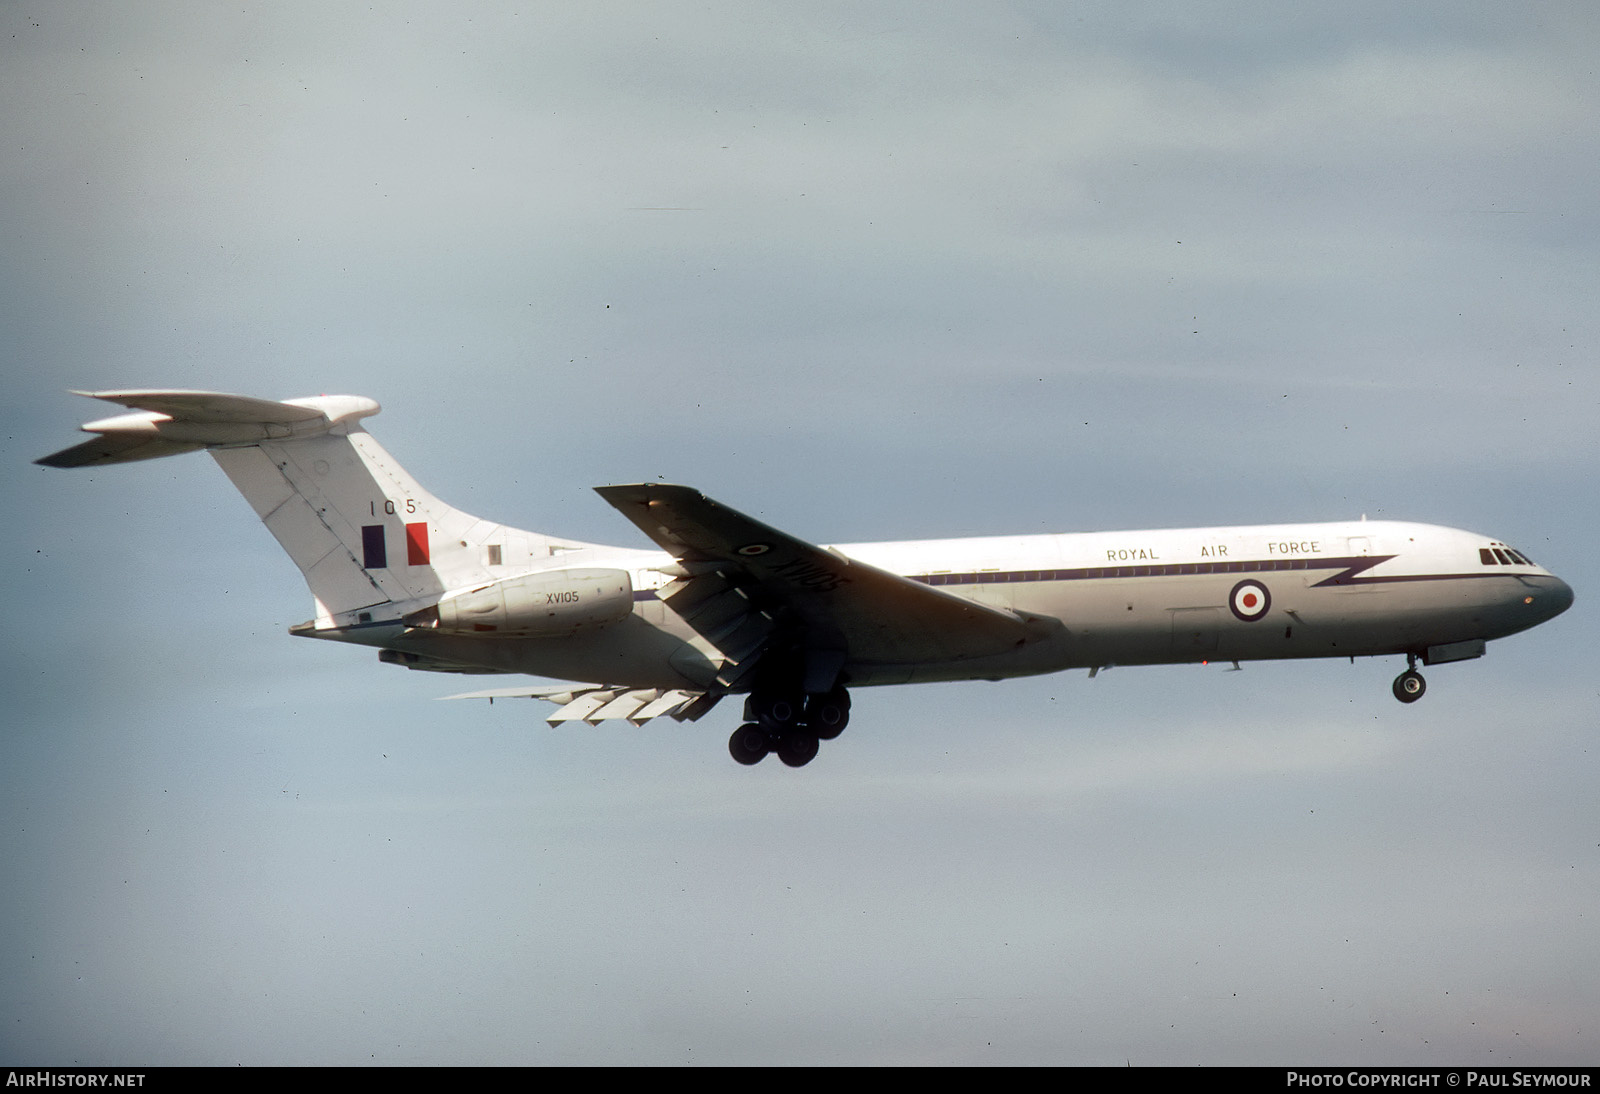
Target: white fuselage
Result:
[[1356, 588]]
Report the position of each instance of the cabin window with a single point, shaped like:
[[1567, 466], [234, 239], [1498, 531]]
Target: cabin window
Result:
[[494, 554]]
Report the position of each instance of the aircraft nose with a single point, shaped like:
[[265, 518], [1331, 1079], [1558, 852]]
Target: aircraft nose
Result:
[[1551, 596], [1559, 598]]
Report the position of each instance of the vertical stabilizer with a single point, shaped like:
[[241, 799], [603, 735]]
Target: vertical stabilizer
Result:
[[361, 529]]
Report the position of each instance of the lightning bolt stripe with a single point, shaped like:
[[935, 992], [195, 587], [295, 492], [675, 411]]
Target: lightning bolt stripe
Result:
[[1350, 570]]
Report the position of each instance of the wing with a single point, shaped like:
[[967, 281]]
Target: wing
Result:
[[841, 604]]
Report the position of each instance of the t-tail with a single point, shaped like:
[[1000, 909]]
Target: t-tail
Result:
[[364, 533]]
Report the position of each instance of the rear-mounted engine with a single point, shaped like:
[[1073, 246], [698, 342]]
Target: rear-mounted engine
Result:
[[550, 604]]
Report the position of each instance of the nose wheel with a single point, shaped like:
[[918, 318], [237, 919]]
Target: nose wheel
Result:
[[1409, 686]]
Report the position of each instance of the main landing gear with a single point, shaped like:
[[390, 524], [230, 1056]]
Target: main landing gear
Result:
[[1409, 686], [790, 727]]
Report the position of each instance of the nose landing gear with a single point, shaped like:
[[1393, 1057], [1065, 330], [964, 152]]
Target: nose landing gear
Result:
[[1409, 686]]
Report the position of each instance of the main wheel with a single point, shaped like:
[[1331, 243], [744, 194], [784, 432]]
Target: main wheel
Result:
[[1409, 686], [749, 744], [777, 713], [798, 749], [827, 715]]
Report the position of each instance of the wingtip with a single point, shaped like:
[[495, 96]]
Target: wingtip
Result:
[[622, 493], [89, 394], [644, 489]]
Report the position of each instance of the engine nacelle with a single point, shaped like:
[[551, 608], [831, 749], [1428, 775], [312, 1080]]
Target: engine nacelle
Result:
[[549, 604]]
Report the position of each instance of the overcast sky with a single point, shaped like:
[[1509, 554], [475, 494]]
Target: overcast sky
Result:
[[866, 271]]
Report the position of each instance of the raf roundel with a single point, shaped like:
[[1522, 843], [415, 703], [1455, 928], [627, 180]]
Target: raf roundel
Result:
[[1249, 600]]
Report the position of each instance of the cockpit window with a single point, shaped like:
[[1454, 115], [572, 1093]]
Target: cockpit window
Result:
[[1503, 556]]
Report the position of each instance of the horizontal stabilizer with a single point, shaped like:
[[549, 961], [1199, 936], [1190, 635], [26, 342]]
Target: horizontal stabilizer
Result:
[[116, 449], [206, 406], [170, 422]]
